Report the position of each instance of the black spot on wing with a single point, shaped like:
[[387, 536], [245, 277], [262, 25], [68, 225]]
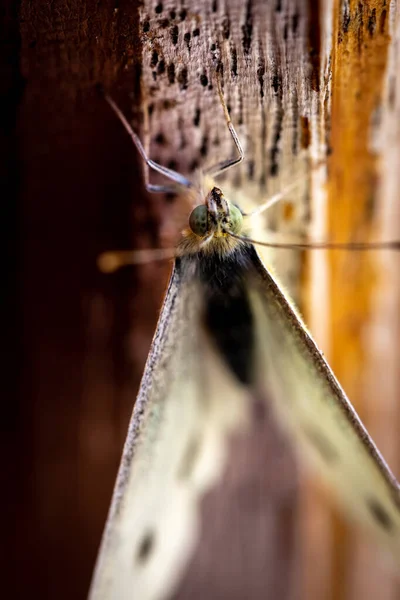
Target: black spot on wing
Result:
[[229, 321], [321, 444], [145, 548], [228, 314], [380, 514]]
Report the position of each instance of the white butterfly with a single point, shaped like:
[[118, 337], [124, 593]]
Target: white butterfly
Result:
[[227, 337]]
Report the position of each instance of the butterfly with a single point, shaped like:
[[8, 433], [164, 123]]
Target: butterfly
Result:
[[227, 339]]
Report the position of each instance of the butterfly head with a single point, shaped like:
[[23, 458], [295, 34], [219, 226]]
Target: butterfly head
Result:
[[211, 225], [217, 217]]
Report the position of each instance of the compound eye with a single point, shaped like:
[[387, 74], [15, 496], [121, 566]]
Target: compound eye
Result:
[[198, 220], [236, 219]]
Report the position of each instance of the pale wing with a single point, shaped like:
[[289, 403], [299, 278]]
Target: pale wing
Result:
[[313, 407], [173, 453]]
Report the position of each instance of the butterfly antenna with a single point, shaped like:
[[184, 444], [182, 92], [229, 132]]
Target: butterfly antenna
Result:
[[357, 246], [109, 262]]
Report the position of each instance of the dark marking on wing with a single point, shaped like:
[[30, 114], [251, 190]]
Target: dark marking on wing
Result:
[[159, 8], [380, 514], [145, 547], [189, 459], [228, 315], [321, 444]]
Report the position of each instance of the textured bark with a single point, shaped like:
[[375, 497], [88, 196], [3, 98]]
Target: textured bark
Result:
[[304, 83]]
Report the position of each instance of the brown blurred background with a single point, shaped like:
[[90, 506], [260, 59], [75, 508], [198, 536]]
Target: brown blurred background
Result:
[[75, 341], [71, 180]]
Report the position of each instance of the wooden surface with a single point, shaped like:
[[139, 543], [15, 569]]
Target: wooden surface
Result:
[[305, 82]]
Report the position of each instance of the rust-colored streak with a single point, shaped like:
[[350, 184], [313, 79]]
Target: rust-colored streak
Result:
[[359, 54], [359, 61]]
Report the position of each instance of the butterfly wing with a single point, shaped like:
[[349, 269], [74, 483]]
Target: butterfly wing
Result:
[[312, 406], [173, 452]]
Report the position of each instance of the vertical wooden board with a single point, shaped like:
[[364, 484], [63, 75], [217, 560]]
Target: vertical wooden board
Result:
[[359, 339], [263, 52], [380, 383]]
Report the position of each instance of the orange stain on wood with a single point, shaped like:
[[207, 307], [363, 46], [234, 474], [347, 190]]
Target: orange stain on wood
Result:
[[358, 63], [288, 212], [359, 54]]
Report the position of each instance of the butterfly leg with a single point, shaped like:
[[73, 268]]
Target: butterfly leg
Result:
[[226, 164], [174, 176]]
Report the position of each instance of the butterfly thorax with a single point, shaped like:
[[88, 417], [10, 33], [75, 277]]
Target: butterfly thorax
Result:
[[211, 225]]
